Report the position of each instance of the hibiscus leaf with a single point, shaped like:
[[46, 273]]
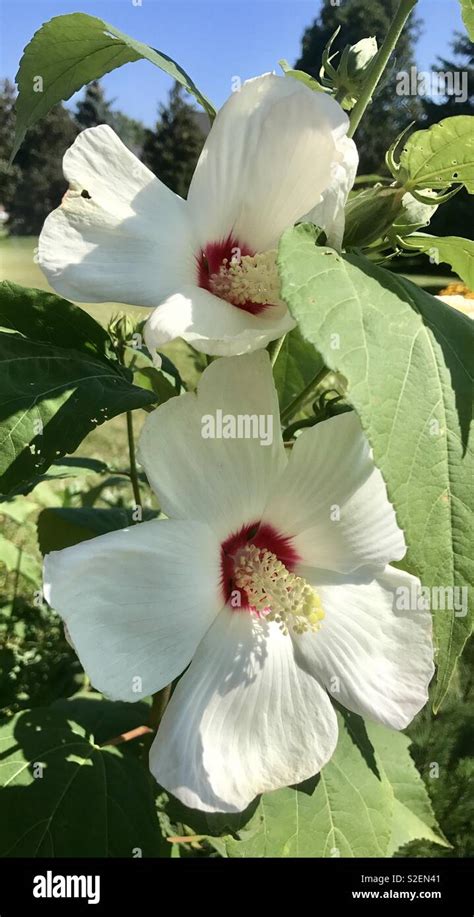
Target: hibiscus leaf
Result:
[[452, 250], [413, 816], [66, 468], [49, 319], [296, 365], [50, 765], [467, 8], [405, 356], [103, 719], [52, 397], [440, 156], [70, 51], [60, 527], [368, 798]]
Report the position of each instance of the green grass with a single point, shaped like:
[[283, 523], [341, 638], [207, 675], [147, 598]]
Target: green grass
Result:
[[18, 264]]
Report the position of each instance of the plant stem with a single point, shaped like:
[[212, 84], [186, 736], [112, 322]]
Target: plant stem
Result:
[[158, 707], [304, 395], [380, 62], [274, 349], [133, 465]]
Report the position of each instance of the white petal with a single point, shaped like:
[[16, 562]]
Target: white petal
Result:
[[333, 500], [224, 482], [243, 720], [129, 241], [374, 659], [213, 325], [329, 213], [137, 602], [266, 161]]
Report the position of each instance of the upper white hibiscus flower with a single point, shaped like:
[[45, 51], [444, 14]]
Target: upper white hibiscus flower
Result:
[[250, 581], [277, 153]]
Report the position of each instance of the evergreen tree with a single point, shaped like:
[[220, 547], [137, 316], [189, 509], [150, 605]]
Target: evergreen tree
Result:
[[93, 109], [389, 113], [461, 70], [39, 183], [8, 174], [171, 151], [131, 132]]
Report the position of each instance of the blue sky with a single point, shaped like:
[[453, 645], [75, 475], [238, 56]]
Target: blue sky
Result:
[[214, 40]]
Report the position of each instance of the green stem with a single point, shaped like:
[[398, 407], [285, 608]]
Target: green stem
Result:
[[380, 62], [304, 395], [274, 349], [133, 465], [158, 706]]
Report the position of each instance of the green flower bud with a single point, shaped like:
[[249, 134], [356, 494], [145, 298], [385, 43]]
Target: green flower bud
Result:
[[356, 60], [370, 214], [121, 327], [346, 81]]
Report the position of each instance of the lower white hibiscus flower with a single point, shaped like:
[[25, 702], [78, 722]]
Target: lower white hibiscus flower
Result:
[[269, 580]]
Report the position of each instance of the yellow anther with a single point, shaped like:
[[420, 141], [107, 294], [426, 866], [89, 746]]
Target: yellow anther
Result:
[[251, 278], [275, 592]]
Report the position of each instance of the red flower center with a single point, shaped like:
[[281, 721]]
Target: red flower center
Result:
[[263, 536], [213, 262]]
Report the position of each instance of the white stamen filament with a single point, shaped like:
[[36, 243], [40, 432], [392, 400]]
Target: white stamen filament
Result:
[[251, 278], [275, 592]]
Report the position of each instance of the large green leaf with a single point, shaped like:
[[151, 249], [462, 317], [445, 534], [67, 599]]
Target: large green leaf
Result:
[[467, 7], [440, 156], [413, 816], [64, 795], [346, 811], [67, 468], [296, 365], [367, 798], [70, 51], [406, 358], [51, 398], [103, 719], [60, 527], [453, 250], [49, 319]]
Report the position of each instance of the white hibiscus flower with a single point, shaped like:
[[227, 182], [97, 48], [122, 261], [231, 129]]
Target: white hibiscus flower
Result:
[[250, 584], [276, 153]]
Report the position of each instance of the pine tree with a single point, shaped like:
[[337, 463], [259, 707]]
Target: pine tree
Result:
[[40, 184], [171, 151], [389, 113], [93, 109], [8, 174], [131, 132], [461, 68]]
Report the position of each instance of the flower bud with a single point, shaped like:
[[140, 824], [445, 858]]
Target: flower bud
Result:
[[347, 80], [356, 60], [121, 327], [370, 214]]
